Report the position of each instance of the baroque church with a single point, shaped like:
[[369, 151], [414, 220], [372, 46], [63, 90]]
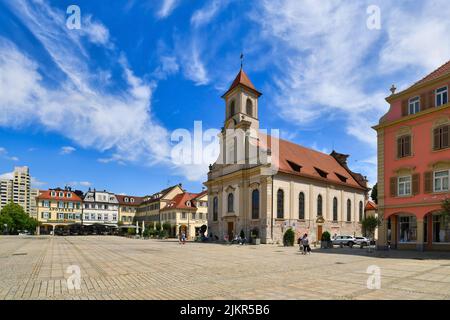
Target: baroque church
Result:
[[263, 185]]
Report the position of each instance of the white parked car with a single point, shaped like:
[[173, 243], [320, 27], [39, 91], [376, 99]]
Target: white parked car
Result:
[[362, 241], [344, 241]]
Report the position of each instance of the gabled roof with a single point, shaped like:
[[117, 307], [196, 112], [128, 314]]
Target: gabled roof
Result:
[[46, 195], [243, 80], [439, 72], [160, 194], [180, 201], [135, 202], [370, 205], [310, 163]]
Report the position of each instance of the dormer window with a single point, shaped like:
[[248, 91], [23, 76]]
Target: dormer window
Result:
[[132, 200], [61, 194], [414, 105], [126, 199], [341, 177], [322, 173], [53, 194], [441, 96], [294, 166], [69, 195], [188, 203]]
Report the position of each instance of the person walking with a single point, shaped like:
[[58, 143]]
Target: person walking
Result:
[[305, 243], [300, 244], [183, 237]]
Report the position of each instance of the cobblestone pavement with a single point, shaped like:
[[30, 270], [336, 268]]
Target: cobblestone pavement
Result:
[[121, 268]]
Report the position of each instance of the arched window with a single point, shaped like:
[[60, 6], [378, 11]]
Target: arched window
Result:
[[255, 204], [249, 107], [280, 204], [301, 206], [349, 210], [335, 209], [319, 205], [232, 109], [360, 211], [215, 208], [230, 202]]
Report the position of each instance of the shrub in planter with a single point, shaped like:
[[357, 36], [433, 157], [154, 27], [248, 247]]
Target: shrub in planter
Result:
[[158, 226], [146, 233], [325, 241], [131, 231], [166, 226], [289, 237]]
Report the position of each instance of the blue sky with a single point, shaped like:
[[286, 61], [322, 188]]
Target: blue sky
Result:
[[97, 106]]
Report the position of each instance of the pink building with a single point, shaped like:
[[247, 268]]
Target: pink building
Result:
[[414, 165]]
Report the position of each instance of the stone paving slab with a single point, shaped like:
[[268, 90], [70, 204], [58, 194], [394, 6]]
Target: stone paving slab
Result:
[[122, 268]]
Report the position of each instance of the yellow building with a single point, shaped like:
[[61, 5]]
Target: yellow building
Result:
[[149, 209], [128, 206], [58, 207], [187, 212]]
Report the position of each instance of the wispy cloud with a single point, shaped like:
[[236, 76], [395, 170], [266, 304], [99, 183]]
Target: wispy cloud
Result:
[[206, 14], [75, 184], [81, 108], [5, 155], [67, 150], [167, 8]]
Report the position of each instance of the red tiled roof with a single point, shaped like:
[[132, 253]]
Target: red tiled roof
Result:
[[46, 195], [442, 70], [121, 199], [298, 160], [180, 200], [242, 79], [370, 205]]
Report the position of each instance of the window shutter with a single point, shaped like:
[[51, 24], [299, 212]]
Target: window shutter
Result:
[[436, 139], [407, 146], [428, 182], [393, 186], [399, 147], [415, 183], [404, 107], [423, 101], [445, 137], [431, 99]]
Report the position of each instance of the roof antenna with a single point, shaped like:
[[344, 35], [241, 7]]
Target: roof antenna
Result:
[[242, 60]]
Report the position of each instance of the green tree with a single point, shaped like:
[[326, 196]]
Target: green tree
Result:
[[289, 237], [374, 193], [370, 223], [17, 219]]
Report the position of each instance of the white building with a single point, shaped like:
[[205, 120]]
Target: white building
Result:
[[100, 207], [264, 185], [17, 189]]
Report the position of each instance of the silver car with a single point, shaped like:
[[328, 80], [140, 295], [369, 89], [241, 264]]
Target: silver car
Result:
[[344, 241], [362, 241]]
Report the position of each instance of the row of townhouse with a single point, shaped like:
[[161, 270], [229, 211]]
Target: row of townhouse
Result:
[[67, 207]]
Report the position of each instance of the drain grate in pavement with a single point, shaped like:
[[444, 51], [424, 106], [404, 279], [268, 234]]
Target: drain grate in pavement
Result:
[[19, 254], [339, 262]]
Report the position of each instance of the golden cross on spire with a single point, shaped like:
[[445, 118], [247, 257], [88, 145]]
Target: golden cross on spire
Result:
[[242, 59]]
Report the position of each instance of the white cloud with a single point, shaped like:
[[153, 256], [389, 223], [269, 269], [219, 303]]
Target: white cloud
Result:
[[95, 31], [208, 12], [80, 109], [168, 66], [67, 150], [74, 184], [4, 154], [36, 183], [167, 8], [7, 176]]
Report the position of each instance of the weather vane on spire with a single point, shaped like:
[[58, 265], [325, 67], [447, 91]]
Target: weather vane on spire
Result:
[[242, 59]]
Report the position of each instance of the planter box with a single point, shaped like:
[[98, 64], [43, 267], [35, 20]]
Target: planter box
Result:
[[326, 244], [256, 241]]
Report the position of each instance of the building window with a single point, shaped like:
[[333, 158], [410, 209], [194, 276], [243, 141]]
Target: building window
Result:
[[183, 215], [53, 194], [441, 228], [407, 229], [69, 195], [335, 209], [441, 137], [230, 202], [215, 208], [61, 205], [319, 205], [349, 210], [70, 216], [255, 204], [45, 215], [414, 105], [249, 107], [404, 186], [114, 217], [70, 205], [301, 206], [232, 109], [61, 216], [280, 204], [200, 216], [360, 211], [441, 181], [99, 217], [193, 216], [441, 96], [61, 194], [46, 204], [404, 146]]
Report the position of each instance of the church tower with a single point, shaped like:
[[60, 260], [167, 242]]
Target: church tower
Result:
[[241, 103], [240, 132]]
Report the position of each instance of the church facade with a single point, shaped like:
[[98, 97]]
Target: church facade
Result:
[[263, 185]]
